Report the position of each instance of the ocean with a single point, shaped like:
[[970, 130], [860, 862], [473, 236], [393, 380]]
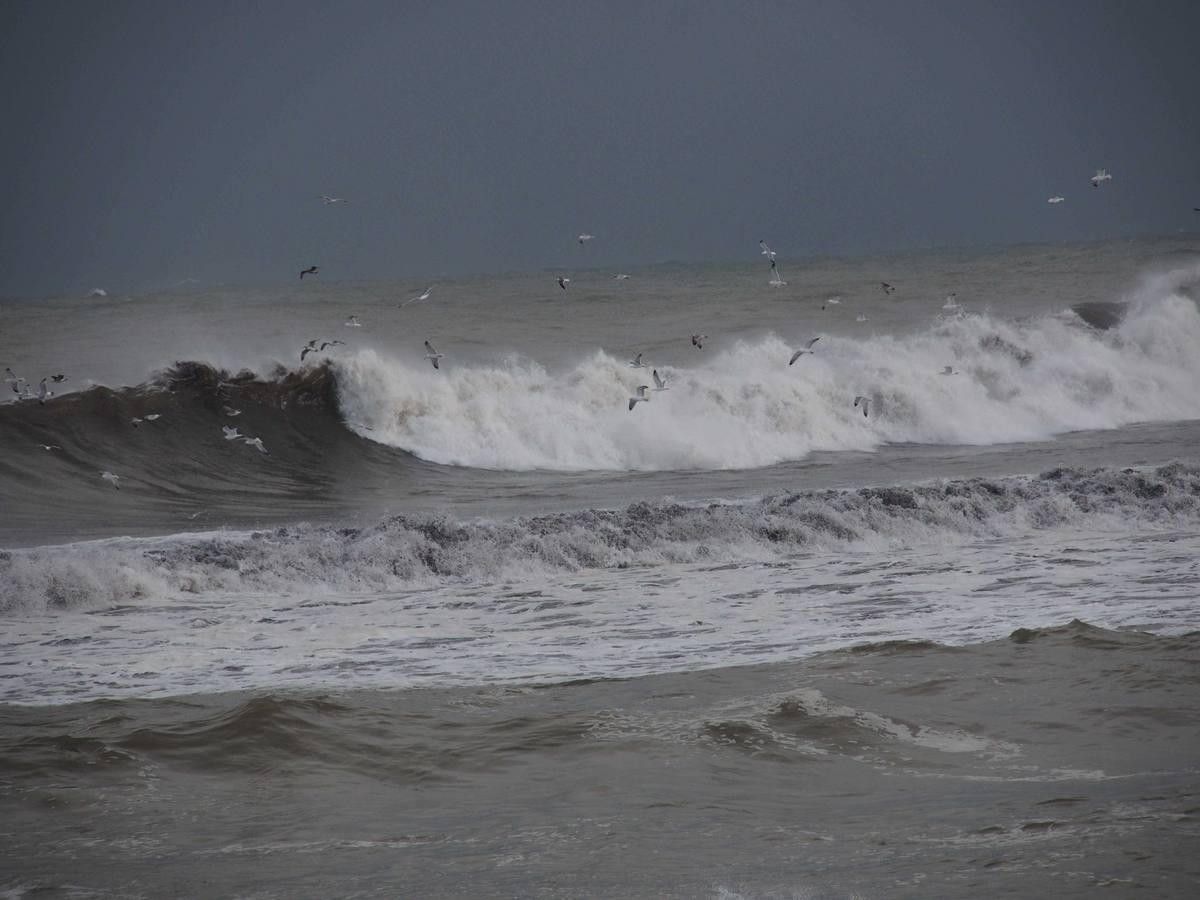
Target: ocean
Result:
[[488, 630]]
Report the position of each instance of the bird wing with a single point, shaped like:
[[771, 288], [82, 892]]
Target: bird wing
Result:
[[435, 363], [632, 403], [796, 356], [429, 348], [658, 382], [813, 341]]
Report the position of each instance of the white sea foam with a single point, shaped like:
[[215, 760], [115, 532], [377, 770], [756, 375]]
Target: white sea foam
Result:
[[1018, 381]]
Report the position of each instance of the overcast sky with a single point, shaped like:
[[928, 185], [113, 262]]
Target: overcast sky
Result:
[[148, 142]]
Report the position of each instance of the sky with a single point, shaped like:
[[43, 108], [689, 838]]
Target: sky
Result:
[[151, 142]]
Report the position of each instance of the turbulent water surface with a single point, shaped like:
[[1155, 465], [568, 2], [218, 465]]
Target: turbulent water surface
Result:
[[483, 630]]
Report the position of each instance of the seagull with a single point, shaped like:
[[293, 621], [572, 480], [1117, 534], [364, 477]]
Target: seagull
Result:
[[949, 370], [766, 251], [432, 355], [775, 281], [152, 417], [135, 422], [639, 397], [563, 282], [256, 443], [230, 411], [698, 341], [44, 392], [885, 287], [1056, 199], [865, 403], [585, 237], [353, 322], [659, 384], [114, 480], [231, 434], [951, 301], [327, 200], [1100, 177], [424, 295], [861, 317], [311, 270], [800, 353], [50, 446], [636, 362], [832, 301], [58, 379], [620, 277]]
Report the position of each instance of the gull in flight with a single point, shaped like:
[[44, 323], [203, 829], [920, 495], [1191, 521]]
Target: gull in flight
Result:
[[114, 480], [563, 282], [775, 281], [659, 384], [327, 200], [639, 397], [231, 434], [586, 237], [949, 370], [886, 288], [636, 362], [150, 418], [353, 322], [58, 379], [861, 317], [1100, 177], [951, 301], [44, 392], [800, 353], [832, 301], [432, 355], [424, 295], [698, 341], [230, 411], [310, 347], [256, 443], [766, 251], [311, 270], [1056, 199], [864, 402], [50, 446], [620, 277]]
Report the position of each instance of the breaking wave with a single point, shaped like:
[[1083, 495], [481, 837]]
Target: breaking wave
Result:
[[401, 552]]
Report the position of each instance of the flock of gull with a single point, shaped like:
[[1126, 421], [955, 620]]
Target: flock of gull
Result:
[[24, 391]]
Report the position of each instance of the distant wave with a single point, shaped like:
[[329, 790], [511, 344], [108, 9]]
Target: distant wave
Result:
[[746, 408], [401, 551]]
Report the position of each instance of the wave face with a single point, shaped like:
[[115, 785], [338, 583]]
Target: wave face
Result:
[[746, 408], [401, 551]]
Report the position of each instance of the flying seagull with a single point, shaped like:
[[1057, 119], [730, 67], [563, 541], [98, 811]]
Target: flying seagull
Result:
[[231, 434], [951, 301], [1056, 199], [659, 384], [800, 353], [353, 322], [50, 446], [636, 362], [886, 288], [424, 295], [776, 280], [639, 397], [766, 251], [861, 317], [585, 237], [114, 480], [311, 270], [230, 411], [864, 402], [432, 355], [310, 347], [563, 282], [256, 443], [622, 276], [327, 200], [1100, 177], [58, 379], [949, 370], [698, 341]]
